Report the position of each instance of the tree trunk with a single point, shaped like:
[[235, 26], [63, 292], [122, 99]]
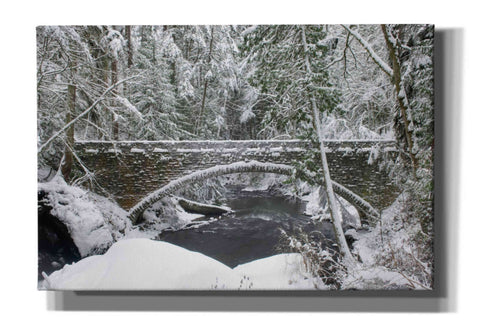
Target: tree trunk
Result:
[[66, 166], [332, 202], [401, 96], [205, 85], [126, 72], [128, 36], [114, 91]]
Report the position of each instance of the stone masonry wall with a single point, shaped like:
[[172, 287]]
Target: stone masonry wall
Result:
[[131, 170]]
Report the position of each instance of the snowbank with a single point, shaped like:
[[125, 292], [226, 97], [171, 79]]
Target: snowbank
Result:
[[281, 272], [388, 254], [142, 264], [93, 222]]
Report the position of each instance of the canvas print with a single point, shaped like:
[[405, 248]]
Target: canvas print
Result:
[[235, 157]]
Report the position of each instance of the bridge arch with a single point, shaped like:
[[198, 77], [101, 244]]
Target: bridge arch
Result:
[[367, 212]]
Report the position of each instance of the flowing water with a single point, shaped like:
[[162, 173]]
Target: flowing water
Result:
[[253, 231]]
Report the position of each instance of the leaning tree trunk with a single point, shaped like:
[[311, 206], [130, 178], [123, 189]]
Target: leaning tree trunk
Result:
[[332, 202]]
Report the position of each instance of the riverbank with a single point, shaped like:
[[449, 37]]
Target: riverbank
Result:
[[142, 264], [90, 219]]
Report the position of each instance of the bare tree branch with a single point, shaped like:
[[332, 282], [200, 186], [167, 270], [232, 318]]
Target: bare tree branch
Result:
[[94, 104], [382, 64]]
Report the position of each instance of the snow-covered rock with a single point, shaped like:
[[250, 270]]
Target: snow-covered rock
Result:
[[317, 208], [93, 222]]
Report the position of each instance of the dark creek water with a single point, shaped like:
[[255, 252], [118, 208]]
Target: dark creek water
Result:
[[253, 231]]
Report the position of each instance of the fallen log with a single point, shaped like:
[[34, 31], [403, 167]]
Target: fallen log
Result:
[[202, 208]]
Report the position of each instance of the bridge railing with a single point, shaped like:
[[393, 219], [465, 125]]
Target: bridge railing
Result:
[[229, 146]]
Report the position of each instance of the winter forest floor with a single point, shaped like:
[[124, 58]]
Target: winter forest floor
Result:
[[106, 240]]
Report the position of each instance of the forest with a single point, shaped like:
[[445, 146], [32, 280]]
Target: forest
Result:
[[315, 83]]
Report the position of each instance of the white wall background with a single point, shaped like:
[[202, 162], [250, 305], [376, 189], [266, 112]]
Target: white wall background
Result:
[[18, 161]]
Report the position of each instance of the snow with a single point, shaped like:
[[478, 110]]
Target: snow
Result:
[[246, 115], [374, 153], [162, 215], [384, 242], [346, 150], [382, 64], [295, 150], [236, 167], [228, 209], [160, 150], [130, 107], [287, 141], [279, 272], [182, 150], [317, 208], [313, 207], [374, 278], [142, 264], [263, 187], [93, 222], [249, 30]]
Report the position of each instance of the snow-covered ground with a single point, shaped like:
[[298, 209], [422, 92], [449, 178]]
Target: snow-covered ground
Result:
[[386, 251], [142, 264], [95, 222], [133, 261]]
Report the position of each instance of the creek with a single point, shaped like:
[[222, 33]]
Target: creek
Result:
[[254, 229]]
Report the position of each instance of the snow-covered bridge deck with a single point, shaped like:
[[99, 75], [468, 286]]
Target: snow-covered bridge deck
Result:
[[131, 170]]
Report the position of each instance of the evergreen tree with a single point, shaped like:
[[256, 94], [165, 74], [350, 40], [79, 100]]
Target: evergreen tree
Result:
[[291, 72]]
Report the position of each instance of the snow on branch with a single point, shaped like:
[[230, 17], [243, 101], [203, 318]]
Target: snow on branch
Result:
[[356, 200], [382, 64], [239, 167], [94, 104], [130, 107]]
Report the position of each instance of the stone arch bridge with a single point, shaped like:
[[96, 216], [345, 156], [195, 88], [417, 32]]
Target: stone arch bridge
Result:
[[131, 171]]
